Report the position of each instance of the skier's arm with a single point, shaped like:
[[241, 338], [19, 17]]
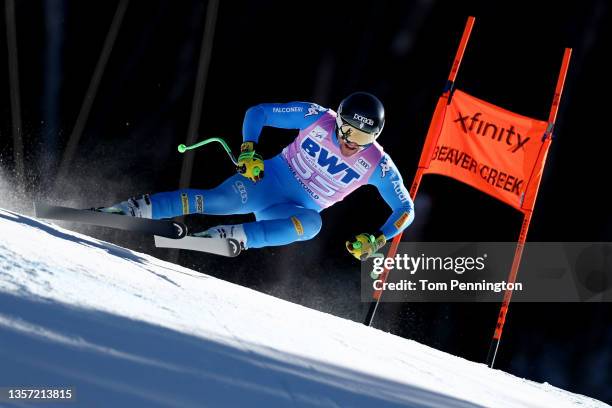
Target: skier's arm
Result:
[[294, 115], [390, 185]]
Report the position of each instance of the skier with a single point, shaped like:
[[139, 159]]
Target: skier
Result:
[[333, 154]]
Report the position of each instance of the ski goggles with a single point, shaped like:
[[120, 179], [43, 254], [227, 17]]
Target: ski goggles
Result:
[[351, 134]]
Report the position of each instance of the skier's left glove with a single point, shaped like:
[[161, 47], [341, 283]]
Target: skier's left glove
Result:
[[364, 246], [250, 164]]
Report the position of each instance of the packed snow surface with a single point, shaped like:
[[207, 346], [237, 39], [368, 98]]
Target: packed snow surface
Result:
[[124, 329]]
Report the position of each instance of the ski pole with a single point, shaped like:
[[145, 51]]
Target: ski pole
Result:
[[182, 148]]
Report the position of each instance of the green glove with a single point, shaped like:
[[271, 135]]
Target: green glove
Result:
[[365, 245], [250, 164]]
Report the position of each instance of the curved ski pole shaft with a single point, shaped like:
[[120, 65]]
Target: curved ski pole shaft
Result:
[[182, 148]]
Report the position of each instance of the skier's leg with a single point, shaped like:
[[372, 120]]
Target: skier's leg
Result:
[[282, 224], [236, 195]]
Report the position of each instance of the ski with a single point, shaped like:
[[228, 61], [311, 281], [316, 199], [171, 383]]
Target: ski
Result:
[[225, 247], [166, 228]]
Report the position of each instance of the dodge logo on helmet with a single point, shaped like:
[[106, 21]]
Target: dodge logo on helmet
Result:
[[363, 119]]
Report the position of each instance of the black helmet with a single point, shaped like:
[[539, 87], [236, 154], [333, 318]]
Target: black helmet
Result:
[[365, 113]]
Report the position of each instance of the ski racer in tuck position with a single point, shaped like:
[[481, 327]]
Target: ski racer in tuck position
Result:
[[333, 154]]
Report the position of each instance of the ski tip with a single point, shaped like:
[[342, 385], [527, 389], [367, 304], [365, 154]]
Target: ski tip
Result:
[[38, 208], [43, 210]]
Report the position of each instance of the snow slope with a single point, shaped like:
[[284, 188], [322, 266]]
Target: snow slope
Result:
[[126, 330]]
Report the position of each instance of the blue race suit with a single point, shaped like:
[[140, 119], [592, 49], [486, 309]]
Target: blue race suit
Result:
[[284, 210]]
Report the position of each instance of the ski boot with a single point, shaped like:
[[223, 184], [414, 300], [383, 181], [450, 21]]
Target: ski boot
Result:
[[225, 232], [139, 207]]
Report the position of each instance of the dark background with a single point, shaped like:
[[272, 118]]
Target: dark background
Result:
[[273, 51]]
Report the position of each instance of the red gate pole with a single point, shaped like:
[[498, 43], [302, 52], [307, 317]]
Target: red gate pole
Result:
[[503, 311], [419, 173]]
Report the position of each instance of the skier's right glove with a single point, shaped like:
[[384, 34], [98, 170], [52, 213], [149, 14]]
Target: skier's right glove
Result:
[[365, 245], [250, 164]]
